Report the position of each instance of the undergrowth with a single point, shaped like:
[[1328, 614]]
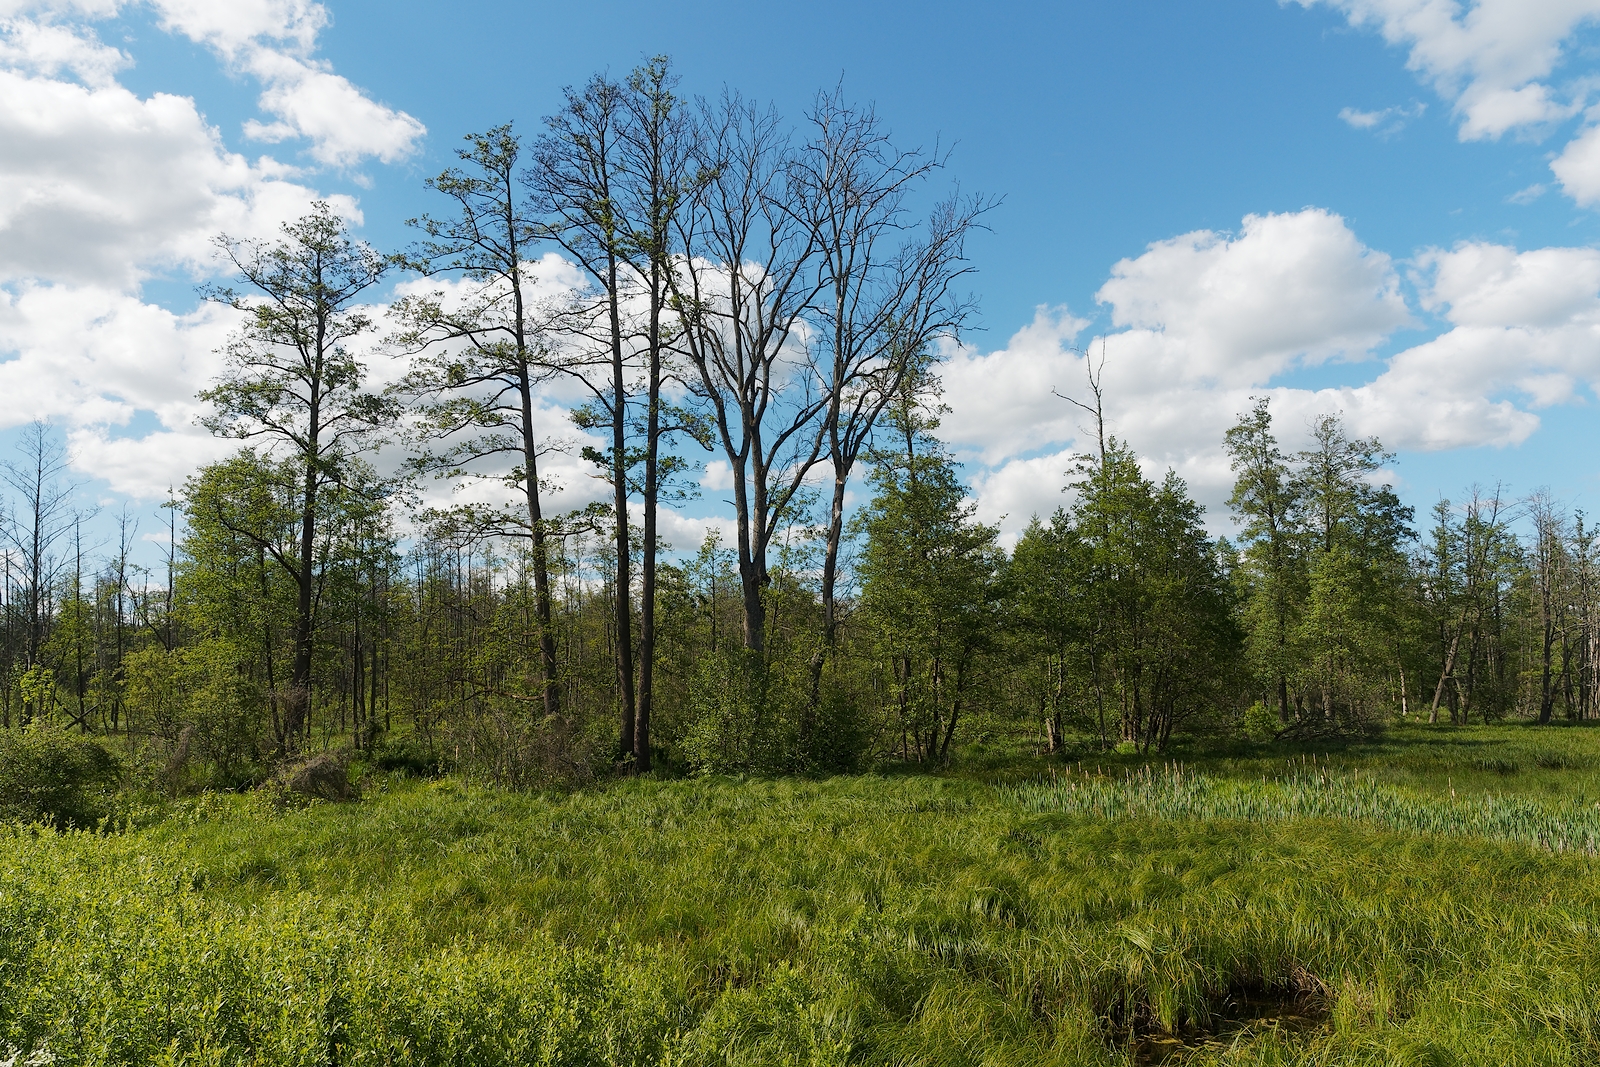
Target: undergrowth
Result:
[[862, 920]]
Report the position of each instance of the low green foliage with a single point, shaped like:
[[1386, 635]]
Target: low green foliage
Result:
[[1260, 724], [51, 775], [1171, 793], [1347, 911]]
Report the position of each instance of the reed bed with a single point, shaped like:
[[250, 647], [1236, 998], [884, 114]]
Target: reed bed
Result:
[[1309, 791]]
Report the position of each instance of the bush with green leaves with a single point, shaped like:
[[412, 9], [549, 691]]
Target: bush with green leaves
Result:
[[198, 701], [129, 963], [1260, 723], [49, 775], [753, 713]]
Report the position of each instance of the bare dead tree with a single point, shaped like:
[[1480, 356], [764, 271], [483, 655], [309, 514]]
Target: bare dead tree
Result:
[[888, 287], [40, 520], [749, 277]]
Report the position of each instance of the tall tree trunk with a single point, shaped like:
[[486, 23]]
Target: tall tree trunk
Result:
[[753, 607], [298, 706], [1546, 691], [541, 544], [830, 582], [619, 477], [652, 491], [530, 464]]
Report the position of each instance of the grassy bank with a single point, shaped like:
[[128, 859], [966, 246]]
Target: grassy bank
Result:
[[1253, 907]]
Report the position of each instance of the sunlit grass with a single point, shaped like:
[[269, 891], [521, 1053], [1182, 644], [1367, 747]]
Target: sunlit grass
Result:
[[1314, 792], [872, 920]]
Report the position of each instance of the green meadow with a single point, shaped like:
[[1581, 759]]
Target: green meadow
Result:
[[1431, 897]]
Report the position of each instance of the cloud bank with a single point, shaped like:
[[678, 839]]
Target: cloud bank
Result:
[[102, 190], [1205, 321]]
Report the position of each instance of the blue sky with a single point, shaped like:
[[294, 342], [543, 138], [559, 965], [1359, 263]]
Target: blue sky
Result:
[[1384, 207]]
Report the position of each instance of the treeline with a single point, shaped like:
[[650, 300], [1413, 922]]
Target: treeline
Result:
[[1118, 621], [712, 282]]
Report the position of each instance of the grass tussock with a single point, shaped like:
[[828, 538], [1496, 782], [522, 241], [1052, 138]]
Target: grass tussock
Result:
[[862, 920], [1173, 792]]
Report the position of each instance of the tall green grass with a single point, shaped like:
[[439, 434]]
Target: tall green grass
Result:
[[861, 920], [1175, 793]]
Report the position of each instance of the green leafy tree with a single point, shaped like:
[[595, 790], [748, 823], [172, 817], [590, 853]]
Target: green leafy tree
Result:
[[930, 585], [1272, 565], [1051, 622], [1164, 648], [239, 596], [1466, 578], [292, 380], [1354, 530]]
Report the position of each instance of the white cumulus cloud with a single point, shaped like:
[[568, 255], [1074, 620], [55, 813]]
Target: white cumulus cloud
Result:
[[236, 25], [1204, 319], [1500, 63], [1240, 308], [102, 189], [1207, 320], [1003, 403], [99, 185], [50, 50], [271, 40], [343, 124]]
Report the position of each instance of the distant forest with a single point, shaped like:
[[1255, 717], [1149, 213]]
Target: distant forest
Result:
[[762, 295]]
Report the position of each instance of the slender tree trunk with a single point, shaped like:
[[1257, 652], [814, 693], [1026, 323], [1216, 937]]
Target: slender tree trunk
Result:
[[830, 580], [1449, 668], [619, 477], [1472, 668], [754, 617], [530, 468], [955, 709], [652, 490], [299, 703], [1546, 692], [541, 547]]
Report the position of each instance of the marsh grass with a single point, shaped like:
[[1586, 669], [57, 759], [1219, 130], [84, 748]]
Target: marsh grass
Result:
[[1174, 792], [911, 920]]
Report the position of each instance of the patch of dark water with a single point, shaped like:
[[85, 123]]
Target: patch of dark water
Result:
[[1236, 1017]]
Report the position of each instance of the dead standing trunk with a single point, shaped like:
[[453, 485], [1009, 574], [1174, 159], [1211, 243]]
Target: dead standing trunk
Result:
[[1449, 667]]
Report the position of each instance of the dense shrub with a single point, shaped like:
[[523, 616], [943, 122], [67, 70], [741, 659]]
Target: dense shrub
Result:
[[1260, 723], [748, 715], [133, 965], [50, 775], [198, 704], [404, 752]]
